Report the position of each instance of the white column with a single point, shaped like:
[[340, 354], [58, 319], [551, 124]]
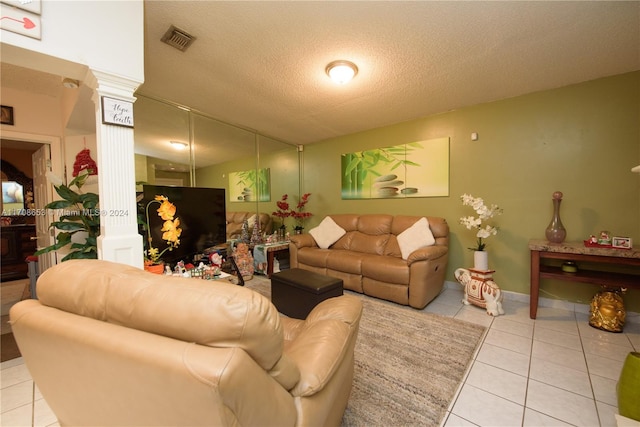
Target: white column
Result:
[[119, 240]]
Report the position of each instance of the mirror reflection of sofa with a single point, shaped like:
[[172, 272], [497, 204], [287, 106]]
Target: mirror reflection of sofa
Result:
[[236, 219], [111, 344]]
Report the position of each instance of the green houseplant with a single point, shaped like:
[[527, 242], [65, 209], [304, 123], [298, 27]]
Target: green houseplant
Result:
[[79, 214]]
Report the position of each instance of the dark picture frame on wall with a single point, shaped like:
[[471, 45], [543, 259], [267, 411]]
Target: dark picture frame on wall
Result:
[[6, 115]]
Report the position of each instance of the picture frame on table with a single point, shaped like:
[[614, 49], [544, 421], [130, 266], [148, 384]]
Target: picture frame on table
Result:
[[6, 115], [621, 242]]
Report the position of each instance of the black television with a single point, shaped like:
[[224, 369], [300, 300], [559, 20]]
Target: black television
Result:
[[202, 218]]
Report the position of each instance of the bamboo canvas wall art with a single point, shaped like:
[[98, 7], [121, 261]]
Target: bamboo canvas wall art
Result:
[[250, 186], [415, 169]]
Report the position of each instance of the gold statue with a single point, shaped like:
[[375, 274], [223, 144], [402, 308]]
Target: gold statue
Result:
[[607, 310]]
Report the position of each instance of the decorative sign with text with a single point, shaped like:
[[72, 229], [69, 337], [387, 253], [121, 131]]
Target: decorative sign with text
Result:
[[117, 112], [21, 17]]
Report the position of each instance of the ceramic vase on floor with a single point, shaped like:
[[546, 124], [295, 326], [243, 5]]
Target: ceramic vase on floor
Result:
[[629, 387], [481, 260]]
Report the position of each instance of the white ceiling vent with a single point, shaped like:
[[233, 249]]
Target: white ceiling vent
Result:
[[177, 38]]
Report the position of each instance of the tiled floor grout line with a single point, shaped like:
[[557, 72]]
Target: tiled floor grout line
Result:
[[526, 389], [586, 362]]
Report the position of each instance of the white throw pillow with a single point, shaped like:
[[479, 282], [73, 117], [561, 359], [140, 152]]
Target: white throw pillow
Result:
[[251, 222], [327, 233], [415, 237]]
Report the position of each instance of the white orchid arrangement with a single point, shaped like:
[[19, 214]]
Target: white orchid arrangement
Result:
[[475, 223]]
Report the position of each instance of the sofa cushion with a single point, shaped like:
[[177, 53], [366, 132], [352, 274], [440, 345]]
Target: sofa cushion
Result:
[[345, 261], [385, 269], [417, 236], [327, 233], [368, 243], [251, 221]]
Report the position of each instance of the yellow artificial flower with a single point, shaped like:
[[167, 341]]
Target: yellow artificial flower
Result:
[[167, 210], [171, 228], [171, 231]]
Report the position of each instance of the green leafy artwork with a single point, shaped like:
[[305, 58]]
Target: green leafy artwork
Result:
[[250, 186], [415, 169]]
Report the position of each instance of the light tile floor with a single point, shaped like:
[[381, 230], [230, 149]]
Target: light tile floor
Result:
[[552, 371]]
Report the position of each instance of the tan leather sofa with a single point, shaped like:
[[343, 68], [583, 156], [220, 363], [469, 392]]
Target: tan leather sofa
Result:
[[236, 219], [368, 258], [109, 344]]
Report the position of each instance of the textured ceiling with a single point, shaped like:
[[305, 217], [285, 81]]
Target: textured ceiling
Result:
[[261, 65]]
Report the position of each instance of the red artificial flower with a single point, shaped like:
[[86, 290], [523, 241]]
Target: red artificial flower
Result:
[[299, 215], [283, 208]]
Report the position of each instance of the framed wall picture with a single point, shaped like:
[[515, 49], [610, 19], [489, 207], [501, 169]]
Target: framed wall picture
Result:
[[250, 185], [117, 112], [19, 19], [621, 242], [6, 115], [414, 169]]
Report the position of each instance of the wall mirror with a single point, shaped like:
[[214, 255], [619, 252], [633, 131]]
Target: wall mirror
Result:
[[255, 170]]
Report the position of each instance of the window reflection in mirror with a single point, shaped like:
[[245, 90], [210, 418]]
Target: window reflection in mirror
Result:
[[157, 160]]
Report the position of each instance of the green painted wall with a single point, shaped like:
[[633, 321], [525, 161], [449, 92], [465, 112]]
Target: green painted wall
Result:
[[582, 140]]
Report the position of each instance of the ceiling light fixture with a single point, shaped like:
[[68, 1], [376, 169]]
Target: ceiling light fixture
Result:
[[341, 71], [179, 145]]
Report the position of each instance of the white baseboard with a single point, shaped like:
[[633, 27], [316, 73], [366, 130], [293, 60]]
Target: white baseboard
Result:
[[632, 317]]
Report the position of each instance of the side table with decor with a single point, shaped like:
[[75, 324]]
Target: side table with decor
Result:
[[546, 260], [265, 255]]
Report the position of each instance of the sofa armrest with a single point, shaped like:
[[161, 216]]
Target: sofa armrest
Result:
[[303, 241], [427, 253], [324, 341]]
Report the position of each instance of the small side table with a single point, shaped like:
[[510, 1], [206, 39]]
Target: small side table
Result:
[[271, 250], [542, 252]]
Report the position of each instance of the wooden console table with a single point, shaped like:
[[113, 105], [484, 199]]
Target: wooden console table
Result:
[[576, 251]]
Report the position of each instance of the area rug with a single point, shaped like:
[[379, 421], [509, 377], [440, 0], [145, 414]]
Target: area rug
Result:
[[408, 363]]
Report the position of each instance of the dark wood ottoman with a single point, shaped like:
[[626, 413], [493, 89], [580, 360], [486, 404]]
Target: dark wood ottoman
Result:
[[295, 292]]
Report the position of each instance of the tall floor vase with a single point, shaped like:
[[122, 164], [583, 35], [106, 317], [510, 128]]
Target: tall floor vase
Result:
[[629, 387]]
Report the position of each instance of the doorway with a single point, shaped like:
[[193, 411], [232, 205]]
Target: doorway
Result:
[[46, 151]]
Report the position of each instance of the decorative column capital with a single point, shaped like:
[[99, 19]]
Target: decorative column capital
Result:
[[107, 84]]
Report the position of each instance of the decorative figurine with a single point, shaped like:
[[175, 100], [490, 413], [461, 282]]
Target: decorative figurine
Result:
[[256, 234], [607, 310], [605, 238], [244, 260], [480, 290], [244, 235], [215, 259]]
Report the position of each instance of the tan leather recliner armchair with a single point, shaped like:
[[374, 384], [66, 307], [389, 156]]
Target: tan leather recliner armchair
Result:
[[109, 344]]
